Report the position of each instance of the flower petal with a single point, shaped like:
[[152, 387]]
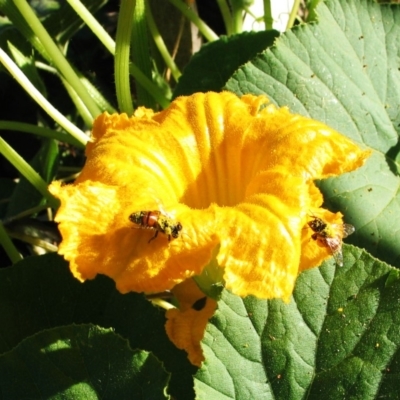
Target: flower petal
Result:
[[99, 238], [235, 173], [185, 326]]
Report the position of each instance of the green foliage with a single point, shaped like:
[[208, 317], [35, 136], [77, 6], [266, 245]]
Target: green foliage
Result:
[[25, 196], [72, 360], [64, 23], [214, 64], [339, 335], [39, 294], [337, 71]]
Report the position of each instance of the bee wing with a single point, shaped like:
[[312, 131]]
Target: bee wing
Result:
[[345, 229], [165, 213], [335, 245], [158, 206], [338, 256], [348, 230]]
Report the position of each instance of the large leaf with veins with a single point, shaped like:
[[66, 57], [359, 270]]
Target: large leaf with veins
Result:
[[344, 70]]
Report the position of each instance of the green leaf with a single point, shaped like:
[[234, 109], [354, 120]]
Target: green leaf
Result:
[[27, 66], [311, 5], [370, 201], [40, 293], [9, 9], [337, 338], [25, 196], [140, 52], [7, 186], [80, 362], [210, 68], [64, 22], [9, 34], [344, 71]]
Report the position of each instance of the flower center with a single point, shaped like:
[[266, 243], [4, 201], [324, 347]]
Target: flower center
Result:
[[222, 182]]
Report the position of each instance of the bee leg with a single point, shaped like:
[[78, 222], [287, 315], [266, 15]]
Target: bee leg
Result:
[[156, 234]]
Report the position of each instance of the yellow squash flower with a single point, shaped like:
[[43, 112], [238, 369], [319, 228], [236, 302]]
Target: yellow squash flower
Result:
[[185, 326], [220, 179]]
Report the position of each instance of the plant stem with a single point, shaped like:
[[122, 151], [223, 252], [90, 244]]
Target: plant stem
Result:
[[28, 172], [237, 18], [226, 15], [162, 48], [268, 20], [8, 245], [34, 241], [122, 55], [56, 56], [205, 30], [93, 25], [140, 53], [40, 131], [25, 213], [38, 97], [293, 14], [109, 44], [163, 304]]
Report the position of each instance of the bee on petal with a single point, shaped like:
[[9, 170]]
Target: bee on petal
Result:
[[331, 235], [158, 221]]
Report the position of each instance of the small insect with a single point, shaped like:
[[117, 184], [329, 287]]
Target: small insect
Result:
[[331, 235], [158, 221]]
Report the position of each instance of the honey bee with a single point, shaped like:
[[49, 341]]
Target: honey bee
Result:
[[331, 235], [158, 221]]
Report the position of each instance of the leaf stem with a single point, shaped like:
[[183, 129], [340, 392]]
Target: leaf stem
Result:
[[80, 107], [93, 25], [205, 30], [162, 48], [34, 241], [56, 56], [109, 44], [268, 20], [140, 52], [122, 55], [8, 245], [226, 15], [25, 213], [38, 97], [40, 131], [293, 14], [163, 304], [27, 171], [237, 18]]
